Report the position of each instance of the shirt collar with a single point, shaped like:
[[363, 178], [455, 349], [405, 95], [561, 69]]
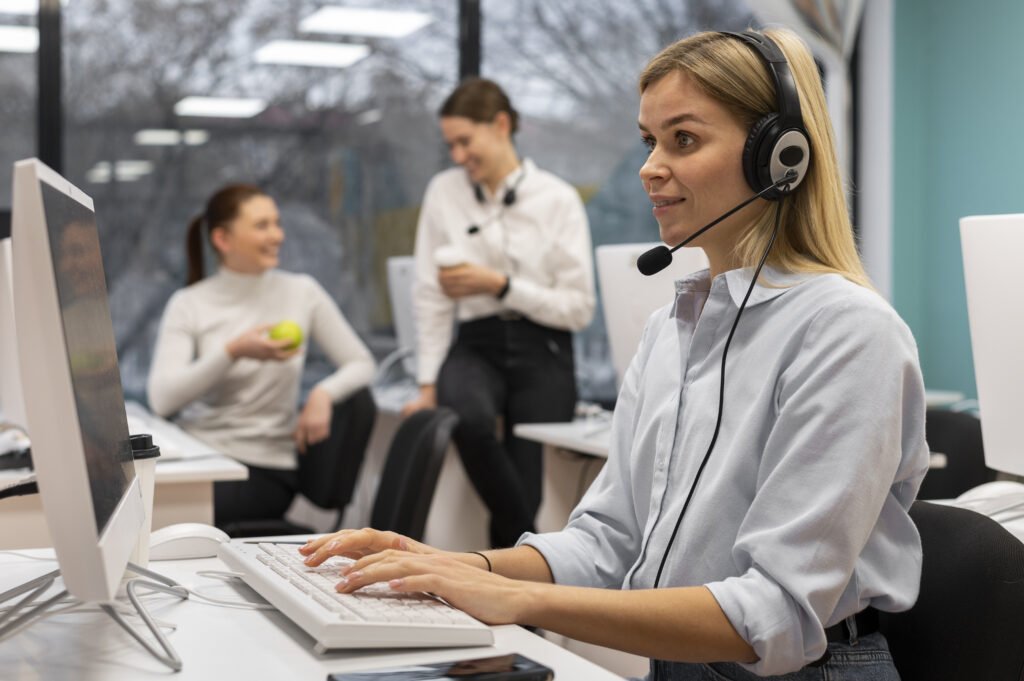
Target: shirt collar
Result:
[[772, 283], [513, 179]]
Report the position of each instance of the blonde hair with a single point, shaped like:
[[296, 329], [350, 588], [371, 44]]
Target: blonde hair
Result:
[[815, 234]]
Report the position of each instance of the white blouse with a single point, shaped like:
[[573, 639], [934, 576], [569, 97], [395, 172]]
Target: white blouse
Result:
[[541, 240], [800, 518]]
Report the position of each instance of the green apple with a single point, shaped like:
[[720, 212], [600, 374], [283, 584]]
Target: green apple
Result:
[[289, 331]]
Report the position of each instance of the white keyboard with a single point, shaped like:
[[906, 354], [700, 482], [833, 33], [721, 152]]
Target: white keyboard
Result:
[[373, 617]]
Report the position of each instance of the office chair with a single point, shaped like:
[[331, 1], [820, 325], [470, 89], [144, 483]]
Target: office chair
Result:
[[957, 435], [410, 474], [328, 471], [968, 622]]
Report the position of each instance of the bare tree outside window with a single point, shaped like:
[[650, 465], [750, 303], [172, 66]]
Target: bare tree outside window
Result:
[[17, 106], [346, 152]]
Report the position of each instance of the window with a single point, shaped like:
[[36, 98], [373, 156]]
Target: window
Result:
[[345, 151], [18, 44]]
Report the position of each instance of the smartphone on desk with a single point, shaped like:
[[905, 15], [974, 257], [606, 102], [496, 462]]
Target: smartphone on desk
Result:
[[498, 668]]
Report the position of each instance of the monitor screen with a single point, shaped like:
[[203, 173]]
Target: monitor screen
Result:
[[91, 349]]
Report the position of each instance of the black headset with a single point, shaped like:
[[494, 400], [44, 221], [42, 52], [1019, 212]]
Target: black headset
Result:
[[778, 142], [510, 194], [508, 199]]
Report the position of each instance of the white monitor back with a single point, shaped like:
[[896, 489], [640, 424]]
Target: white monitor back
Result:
[[992, 245], [628, 298], [12, 408], [401, 279], [90, 493]]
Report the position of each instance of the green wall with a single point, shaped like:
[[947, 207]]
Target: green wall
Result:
[[958, 147]]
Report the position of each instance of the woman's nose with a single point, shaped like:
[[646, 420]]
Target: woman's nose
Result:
[[653, 169]]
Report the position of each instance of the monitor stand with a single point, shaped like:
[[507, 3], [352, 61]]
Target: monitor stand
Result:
[[34, 610]]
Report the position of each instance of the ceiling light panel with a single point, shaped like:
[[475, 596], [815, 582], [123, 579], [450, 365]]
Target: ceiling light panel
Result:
[[374, 23], [310, 53], [19, 39], [219, 107]]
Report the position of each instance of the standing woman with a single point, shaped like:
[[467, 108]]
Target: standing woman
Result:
[[502, 248], [751, 535], [227, 381]]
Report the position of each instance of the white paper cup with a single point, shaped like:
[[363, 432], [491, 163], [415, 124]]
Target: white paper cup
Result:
[[145, 469], [449, 256]]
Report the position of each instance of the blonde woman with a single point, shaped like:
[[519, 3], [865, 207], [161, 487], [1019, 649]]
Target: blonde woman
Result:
[[747, 529]]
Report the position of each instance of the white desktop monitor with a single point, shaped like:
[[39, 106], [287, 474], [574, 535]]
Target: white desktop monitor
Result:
[[401, 280], [992, 247], [628, 297], [12, 409], [71, 383]]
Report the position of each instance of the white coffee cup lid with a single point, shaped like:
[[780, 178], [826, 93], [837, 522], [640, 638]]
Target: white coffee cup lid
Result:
[[448, 256]]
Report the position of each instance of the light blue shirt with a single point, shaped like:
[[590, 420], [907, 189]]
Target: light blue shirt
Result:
[[800, 517]]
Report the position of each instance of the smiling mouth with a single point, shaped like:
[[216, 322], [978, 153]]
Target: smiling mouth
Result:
[[667, 202]]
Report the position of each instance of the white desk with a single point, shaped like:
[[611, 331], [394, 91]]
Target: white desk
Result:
[[222, 643], [183, 491], [586, 436], [592, 437]]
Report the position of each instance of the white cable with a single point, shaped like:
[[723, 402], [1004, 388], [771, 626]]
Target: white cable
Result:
[[19, 554], [224, 575], [76, 606]]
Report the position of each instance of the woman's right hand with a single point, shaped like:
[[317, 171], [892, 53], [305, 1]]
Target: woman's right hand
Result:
[[255, 344], [426, 400]]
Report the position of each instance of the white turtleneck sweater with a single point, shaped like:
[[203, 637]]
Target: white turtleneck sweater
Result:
[[247, 408]]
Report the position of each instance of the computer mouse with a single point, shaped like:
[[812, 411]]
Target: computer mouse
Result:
[[185, 540]]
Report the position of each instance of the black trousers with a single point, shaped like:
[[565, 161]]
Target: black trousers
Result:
[[327, 469], [525, 373]]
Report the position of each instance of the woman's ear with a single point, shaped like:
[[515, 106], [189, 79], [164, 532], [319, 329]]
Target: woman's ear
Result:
[[503, 123], [220, 237]]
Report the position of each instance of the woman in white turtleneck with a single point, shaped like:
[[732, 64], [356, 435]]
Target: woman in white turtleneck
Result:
[[216, 370]]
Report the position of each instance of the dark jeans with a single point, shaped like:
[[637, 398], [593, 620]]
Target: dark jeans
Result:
[[326, 473], [867, 660], [525, 373]]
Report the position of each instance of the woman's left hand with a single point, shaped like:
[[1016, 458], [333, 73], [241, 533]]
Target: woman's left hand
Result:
[[470, 280], [314, 423], [490, 598]]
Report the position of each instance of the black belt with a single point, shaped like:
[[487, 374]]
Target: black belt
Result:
[[866, 622]]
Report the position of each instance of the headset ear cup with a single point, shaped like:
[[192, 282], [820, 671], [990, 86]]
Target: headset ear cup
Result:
[[757, 152]]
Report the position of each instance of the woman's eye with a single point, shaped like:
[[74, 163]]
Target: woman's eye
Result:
[[648, 143], [683, 139]]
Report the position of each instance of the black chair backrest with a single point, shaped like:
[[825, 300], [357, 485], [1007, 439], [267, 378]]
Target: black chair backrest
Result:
[[329, 469], [968, 622], [957, 436], [414, 460]]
